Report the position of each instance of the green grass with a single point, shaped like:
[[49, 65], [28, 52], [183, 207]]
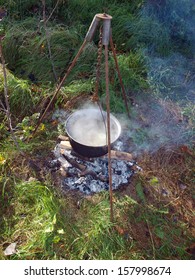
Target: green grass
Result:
[[97, 240], [42, 226], [25, 45], [26, 50], [46, 225], [21, 99], [133, 71], [34, 219]]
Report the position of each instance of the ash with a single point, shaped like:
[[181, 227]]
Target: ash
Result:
[[96, 178]]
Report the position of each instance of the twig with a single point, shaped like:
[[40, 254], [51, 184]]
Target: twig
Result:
[[56, 5], [48, 41], [3, 107]]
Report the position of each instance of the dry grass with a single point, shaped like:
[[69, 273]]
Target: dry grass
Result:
[[163, 223]]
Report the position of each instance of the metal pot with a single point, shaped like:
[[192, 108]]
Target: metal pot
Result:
[[87, 132]]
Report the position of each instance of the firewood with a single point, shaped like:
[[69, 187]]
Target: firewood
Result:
[[114, 154], [120, 155], [84, 170], [74, 163], [96, 176], [62, 138], [65, 145]]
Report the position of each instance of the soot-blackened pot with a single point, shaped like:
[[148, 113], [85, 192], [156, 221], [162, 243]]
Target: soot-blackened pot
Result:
[[82, 122]]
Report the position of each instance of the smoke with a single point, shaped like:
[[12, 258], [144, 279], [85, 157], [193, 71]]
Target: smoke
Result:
[[165, 116], [154, 123], [172, 78], [171, 54], [170, 22]]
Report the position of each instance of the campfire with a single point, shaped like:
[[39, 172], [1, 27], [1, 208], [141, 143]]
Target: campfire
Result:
[[90, 175]]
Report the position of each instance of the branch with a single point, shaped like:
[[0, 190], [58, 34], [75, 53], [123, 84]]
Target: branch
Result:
[[2, 107], [53, 11]]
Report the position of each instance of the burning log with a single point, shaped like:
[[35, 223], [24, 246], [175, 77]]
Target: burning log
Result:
[[74, 163], [94, 175], [85, 170], [62, 138], [65, 145], [121, 155]]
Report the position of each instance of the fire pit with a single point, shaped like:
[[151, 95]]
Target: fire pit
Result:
[[87, 132], [90, 175]]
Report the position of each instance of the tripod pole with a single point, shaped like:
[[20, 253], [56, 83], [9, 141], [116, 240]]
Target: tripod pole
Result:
[[88, 38], [60, 84], [105, 42], [108, 132]]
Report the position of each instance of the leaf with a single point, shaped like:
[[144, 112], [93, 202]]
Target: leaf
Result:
[[153, 181], [10, 250], [186, 149], [2, 160], [56, 239], [60, 231], [49, 229], [119, 229], [42, 127]]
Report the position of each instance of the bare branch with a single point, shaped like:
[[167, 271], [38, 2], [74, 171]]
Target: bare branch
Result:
[[2, 107], [56, 5]]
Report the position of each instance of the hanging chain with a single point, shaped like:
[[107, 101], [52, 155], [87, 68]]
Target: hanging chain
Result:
[[95, 97]]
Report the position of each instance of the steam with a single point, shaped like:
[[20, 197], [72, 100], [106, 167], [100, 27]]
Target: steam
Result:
[[88, 127]]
